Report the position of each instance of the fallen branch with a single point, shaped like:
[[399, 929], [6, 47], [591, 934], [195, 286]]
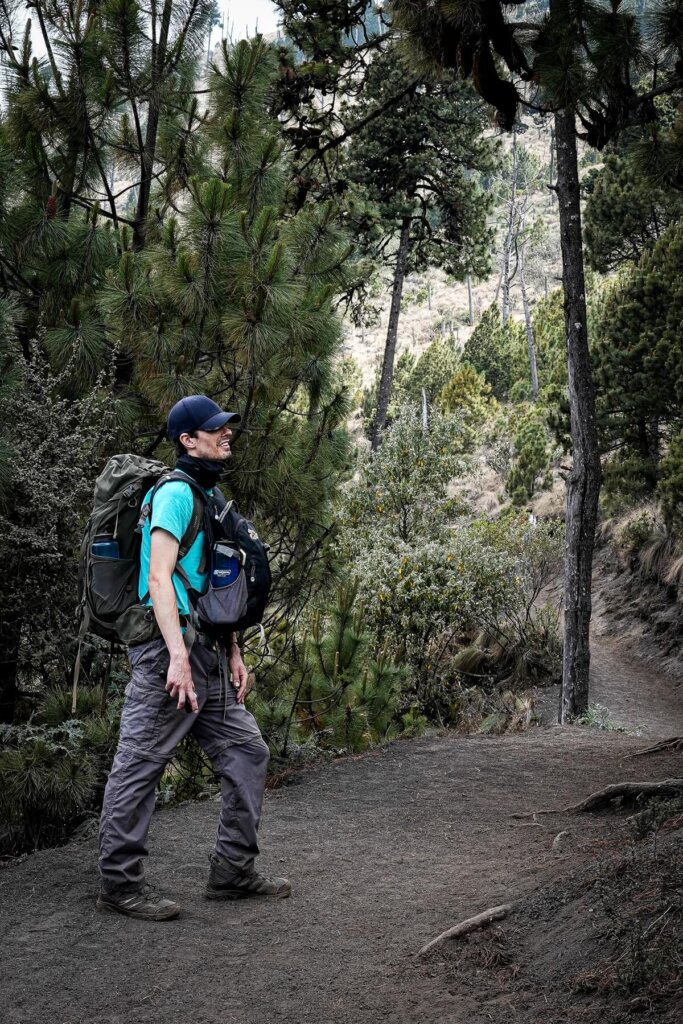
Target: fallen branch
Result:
[[470, 925], [674, 744], [629, 790]]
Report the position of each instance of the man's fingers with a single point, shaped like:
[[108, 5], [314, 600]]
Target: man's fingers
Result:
[[192, 697]]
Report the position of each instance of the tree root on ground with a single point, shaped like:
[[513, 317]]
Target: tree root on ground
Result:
[[603, 797], [673, 744], [629, 790], [469, 925]]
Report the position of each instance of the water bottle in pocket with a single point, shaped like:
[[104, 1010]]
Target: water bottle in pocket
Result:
[[225, 601]]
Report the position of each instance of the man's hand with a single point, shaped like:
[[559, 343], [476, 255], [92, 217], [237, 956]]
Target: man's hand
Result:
[[179, 682], [162, 562], [239, 674]]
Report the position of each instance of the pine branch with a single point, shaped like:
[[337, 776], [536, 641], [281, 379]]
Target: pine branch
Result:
[[359, 125], [48, 48]]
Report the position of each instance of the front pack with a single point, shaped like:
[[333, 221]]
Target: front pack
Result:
[[239, 576]]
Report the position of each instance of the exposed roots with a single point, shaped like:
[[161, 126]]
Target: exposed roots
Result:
[[627, 791], [619, 790], [469, 925], [674, 744]]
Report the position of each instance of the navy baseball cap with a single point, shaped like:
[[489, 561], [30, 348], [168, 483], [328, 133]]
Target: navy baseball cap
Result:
[[197, 412]]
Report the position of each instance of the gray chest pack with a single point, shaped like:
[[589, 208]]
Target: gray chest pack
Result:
[[109, 566]]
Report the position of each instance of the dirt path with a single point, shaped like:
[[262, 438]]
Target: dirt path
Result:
[[383, 852]]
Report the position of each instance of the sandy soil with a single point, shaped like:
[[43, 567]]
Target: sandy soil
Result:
[[384, 852]]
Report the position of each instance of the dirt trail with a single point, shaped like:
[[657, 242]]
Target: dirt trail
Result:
[[384, 852]]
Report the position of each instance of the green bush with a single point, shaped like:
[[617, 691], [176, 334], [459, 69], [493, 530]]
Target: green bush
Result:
[[498, 351], [47, 784], [343, 692], [671, 485], [468, 395], [401, 490], [530, 467], [434, 369]]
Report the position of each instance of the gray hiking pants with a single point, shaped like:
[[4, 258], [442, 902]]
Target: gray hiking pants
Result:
[[151, 728]]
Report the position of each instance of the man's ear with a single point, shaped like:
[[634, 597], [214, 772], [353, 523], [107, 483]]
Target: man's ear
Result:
[[187, 440]]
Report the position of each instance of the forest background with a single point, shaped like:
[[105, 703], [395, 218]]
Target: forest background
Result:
[[245, 223]]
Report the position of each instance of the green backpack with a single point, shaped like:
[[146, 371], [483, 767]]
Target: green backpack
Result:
[[109, 605]]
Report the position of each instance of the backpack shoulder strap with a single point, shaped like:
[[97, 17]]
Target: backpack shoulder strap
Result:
[[194, 527]]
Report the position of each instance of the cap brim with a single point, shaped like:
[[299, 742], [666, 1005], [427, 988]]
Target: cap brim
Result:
[[219, 420]]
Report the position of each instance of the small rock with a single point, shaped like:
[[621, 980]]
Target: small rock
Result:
[[563, 841]]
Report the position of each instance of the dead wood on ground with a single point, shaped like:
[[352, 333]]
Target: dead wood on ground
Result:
[[469, 925]]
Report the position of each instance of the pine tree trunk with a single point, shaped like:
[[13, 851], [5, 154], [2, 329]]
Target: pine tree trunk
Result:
[[551, 173], [10, 635], [509, 237], [470, 299], [387, 376], [159, 53], [583, 486], [531, 342]]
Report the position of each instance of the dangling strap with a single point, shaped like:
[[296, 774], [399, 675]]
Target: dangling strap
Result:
[[224, 676], [85, 622], [263, 641]]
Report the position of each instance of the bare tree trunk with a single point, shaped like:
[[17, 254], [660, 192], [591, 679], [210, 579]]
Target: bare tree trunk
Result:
[[159, 54], [387, 375], [531, 343], [10, 636], [425, 413], [470, 299], [509, 237], [583, 486]]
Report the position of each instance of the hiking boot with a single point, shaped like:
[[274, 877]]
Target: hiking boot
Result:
[[226, 882], [144, 903]]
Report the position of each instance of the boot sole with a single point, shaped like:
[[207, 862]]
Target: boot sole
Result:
[[222, 894], [110, 908]]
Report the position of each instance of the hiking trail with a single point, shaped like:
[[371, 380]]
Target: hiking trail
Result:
[[384, 852]]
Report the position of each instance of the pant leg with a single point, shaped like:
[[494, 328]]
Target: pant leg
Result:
[[228, 733], [151, 728]]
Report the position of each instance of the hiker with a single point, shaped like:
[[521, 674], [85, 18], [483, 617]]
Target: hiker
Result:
[[183, 682]]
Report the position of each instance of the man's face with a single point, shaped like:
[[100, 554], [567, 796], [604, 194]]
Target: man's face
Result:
[[209, 444]]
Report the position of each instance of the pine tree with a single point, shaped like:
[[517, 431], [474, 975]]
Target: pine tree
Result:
[[417, 163], [625, 213], [433, 369], [99, 135], [497, 351], [638, 359]]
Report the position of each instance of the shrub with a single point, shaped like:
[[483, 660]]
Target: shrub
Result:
[[530, 467], [401, 490], [434, 369], [47, 783], [497, 351], [343, 692], [468, 395]]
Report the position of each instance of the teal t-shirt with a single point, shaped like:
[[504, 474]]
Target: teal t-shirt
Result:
[[172, 511]]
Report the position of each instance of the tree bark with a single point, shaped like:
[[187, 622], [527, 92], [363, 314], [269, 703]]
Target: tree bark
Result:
[[470, 299], [509, 237], [10, 636], [583, 485], [387, 375], [148, 154], [531, 342]]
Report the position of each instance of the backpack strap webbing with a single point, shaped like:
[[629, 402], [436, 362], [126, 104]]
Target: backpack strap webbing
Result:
[[198, 522]]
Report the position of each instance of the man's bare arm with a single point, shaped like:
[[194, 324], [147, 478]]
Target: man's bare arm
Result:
[[162, 561]]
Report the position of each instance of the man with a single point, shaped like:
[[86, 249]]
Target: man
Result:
[[177, 687]]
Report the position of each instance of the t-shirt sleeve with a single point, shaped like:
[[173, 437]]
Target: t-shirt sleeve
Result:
[[172, 508]]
